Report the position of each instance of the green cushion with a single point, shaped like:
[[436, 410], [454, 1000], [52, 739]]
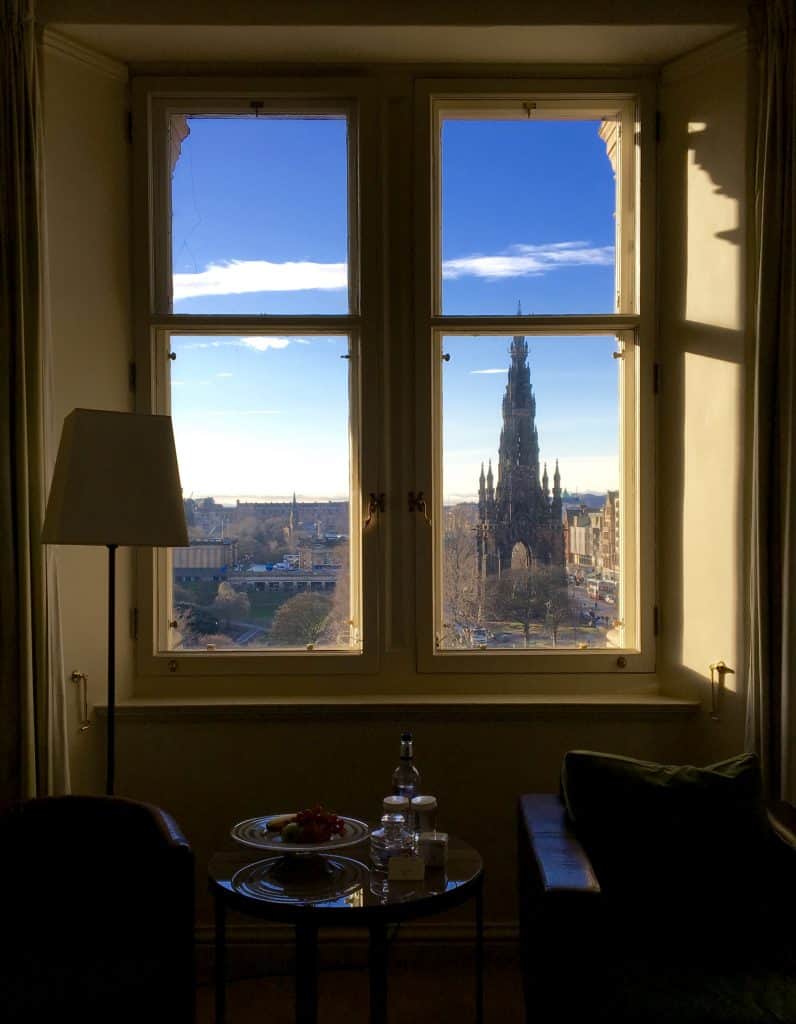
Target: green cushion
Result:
[[671, 832]]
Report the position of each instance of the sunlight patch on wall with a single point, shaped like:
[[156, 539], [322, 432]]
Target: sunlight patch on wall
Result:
[[712, 565]]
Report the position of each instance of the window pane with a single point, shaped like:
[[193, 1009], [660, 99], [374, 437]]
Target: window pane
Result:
[[528, 215], [262, 436], [259, 214], [531, 471]]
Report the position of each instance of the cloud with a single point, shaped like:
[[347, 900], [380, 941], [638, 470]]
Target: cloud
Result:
[[259, 342], [529, 260], [497, 369], [224, 375], [262, 342], [239, 277]]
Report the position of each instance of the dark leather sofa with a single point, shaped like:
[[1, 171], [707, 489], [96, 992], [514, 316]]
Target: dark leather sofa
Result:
[[96, 913], [717, 947]]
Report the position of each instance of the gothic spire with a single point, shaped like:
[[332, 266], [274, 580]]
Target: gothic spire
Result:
[[545, 482]]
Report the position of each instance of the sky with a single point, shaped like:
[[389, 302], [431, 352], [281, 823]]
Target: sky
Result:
[[259, 225]]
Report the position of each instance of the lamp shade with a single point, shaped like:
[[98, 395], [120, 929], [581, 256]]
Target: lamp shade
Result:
[[116, 481]]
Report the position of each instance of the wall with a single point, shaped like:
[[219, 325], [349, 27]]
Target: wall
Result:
[[702, 348], [85, 104]]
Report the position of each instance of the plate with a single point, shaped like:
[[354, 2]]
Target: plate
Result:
[[252, 832]]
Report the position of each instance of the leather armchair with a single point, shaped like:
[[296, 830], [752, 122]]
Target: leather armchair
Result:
[[97, 912], [588, 957]]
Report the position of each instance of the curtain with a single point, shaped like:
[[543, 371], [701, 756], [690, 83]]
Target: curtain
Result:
[[33, 733], [771, 686]]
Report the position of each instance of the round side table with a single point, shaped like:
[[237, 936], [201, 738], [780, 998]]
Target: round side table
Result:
[[327, 890]]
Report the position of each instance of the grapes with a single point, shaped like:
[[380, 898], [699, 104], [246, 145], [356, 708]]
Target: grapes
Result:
[[314, 825]]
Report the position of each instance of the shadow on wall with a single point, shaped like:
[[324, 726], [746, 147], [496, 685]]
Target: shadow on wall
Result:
[[701, 404]]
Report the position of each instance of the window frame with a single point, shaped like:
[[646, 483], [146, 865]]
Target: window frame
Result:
[[634, 320], [395, 329], [154, 322]]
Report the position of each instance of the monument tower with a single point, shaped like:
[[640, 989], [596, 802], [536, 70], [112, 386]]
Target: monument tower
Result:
[[519, 522]]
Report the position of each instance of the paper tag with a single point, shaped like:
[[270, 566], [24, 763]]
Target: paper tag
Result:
[[405, 869]]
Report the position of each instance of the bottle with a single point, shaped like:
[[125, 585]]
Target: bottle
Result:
[[424, 813], [406, 778]]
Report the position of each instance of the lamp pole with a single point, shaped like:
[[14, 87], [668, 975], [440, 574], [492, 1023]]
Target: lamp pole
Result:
[[111, 742]]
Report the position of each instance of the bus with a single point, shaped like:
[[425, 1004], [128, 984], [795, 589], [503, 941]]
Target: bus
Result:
[[601, 590]]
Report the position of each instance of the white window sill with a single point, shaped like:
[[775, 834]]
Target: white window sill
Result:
[[427, 707]]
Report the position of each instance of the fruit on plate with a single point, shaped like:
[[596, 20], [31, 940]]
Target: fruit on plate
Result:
[[278, 822], [313, 825]]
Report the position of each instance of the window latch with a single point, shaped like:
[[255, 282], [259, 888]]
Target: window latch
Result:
[[417, 503], [375, 505]]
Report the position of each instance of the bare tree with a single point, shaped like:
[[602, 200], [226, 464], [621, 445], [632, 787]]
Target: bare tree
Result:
[[459, 583], [517, 595], [230, 603]]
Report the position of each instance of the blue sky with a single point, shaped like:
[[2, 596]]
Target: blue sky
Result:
[[260, 226]]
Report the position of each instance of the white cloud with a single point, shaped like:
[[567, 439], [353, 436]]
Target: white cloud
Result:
[[262, 342], [497, 369], [529, 260], [224, 375], [239, 277]]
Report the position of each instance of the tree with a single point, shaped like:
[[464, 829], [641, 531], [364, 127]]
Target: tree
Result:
[[231, 604], [337, 631], [537, 595], [459, 583], [517, 595], [301, 620]]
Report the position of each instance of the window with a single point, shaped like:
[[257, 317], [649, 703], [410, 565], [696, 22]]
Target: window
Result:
[[287, 252]]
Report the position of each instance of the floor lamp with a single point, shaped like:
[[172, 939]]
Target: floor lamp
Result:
[[115, 483]]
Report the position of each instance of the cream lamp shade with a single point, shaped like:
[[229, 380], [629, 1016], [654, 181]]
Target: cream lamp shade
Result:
[[116, 482]]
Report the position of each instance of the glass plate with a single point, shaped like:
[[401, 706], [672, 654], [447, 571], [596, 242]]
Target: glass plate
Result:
[[252, 832]]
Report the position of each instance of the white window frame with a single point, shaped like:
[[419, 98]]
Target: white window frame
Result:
[[397, 325], [632, 324], [154, 99]]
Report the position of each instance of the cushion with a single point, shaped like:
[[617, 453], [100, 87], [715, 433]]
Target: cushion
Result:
[[672, 838]]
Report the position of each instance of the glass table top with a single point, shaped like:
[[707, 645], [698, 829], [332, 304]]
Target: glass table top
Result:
[[338, 882]]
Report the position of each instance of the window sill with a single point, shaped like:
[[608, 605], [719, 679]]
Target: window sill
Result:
[[419, 707]]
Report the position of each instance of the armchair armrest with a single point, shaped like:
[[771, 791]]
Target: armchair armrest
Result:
[[549, 849], [782, 816]]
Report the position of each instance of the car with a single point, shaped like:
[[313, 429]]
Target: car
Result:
[[478, 637]]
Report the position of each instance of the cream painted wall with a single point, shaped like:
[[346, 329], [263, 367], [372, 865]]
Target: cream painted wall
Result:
[[702, 345], [87, 219]]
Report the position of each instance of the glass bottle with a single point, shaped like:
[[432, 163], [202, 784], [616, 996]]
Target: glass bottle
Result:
[[406, 778]]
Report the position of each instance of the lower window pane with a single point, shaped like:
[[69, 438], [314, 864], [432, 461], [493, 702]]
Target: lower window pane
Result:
[[261, 426], [531, 494]]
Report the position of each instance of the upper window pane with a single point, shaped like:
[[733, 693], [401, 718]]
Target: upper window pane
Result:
[[259, 214], [528, 214]]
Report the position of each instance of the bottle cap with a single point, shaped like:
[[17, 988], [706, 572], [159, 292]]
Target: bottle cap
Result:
[[396, 803], [424, 803]]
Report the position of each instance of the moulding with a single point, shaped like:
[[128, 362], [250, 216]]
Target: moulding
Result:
[[705, 57], [66, 47], [430, 707]]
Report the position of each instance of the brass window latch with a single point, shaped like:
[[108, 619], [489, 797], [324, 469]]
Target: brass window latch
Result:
[[417, 503], [722, 669], [376, 504]]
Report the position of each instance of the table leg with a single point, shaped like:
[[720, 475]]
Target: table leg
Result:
[[378, 973], [479, 952], [221, 959], [306, 973]]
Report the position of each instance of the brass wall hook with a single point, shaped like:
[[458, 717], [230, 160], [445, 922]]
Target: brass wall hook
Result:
[[81, 679], [722, 668]]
